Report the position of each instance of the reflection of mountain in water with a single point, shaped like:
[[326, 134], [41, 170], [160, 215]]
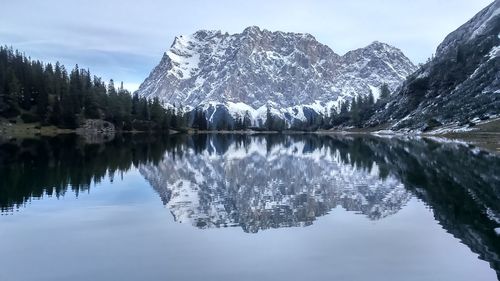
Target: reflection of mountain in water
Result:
[[256, 186], [275, 180]]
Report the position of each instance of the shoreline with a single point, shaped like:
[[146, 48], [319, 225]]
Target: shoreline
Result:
[[10, 130], [20, 130], [486, 135]]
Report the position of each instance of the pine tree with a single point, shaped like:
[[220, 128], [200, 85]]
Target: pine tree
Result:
[[113, 106], [384, 91], [15, 90], [344, 108], [157, 111], [371, 99], [135, 105], [356, 107], [199, 121], [247, 121], [269, 119], [47, 93], [70, 102], [55, 117]]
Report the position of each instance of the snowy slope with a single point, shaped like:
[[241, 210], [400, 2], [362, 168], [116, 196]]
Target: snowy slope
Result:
[[257, 68]]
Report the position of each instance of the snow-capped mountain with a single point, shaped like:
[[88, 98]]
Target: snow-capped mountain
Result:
[[459, 87], [246, 73], [257, 184]]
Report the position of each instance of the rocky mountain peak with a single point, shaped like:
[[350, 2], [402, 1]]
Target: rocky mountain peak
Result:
[[259, 67], [379, 59], [252, 30], [201, 35]]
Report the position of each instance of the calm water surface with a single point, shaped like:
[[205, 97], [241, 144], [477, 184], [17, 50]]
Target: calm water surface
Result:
[[238, 207]]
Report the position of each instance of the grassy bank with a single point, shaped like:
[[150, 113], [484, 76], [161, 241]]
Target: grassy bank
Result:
[[24, 130], [20, 129]]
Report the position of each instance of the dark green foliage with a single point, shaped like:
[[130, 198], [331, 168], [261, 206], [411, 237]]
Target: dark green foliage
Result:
[[247, 121], [157, 111], [274, 123], [419, 88], [336, 119], [354, 114], [457, 85], [385, 92], [29, 118], [47, 94], [269, 118], [431, 124], [48, 166]]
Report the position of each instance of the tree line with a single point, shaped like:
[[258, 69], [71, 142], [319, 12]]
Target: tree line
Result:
[[348, 113], [39, 167], [358, 110], [33, 91]]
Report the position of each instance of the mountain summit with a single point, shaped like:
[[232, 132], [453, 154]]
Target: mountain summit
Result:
[[258, 68]]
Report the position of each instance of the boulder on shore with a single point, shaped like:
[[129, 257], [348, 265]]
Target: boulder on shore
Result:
[[96, 130]]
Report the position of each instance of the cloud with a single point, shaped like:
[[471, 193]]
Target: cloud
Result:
[[125, 39]]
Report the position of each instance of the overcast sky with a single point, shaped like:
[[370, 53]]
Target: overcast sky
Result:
[[124, 40]]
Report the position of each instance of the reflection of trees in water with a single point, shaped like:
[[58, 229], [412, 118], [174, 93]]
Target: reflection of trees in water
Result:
[[460, 184], [33, 168]]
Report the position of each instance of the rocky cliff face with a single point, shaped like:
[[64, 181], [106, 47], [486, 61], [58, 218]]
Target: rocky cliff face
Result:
[[458, 87], [289, 72]]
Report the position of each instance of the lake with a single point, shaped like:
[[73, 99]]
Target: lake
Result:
[[248, 207]]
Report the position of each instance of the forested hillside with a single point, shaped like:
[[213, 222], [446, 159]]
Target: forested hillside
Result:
[[35, 92]]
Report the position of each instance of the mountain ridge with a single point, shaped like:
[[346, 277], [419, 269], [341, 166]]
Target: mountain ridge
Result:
[[458, 88], [183, 58], [259, 68], [284, 80]]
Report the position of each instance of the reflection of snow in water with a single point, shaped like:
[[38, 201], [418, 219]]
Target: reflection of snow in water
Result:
[[258, 187]]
